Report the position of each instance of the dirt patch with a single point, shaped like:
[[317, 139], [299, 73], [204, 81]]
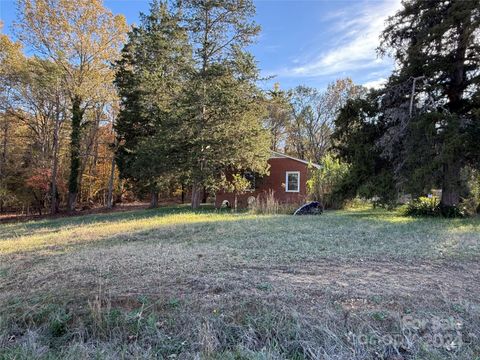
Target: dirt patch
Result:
[[179, 271], [352, 285], [214, 296], [385, 278]]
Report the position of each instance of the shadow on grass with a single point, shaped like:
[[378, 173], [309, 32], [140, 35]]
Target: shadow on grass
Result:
[[27, 228], [159, 224], [368, 233]]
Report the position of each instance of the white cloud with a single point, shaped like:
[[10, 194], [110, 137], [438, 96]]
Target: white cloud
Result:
[[358, 33], [375, 84]]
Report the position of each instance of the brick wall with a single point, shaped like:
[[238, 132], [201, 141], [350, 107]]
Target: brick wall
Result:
[[276, 182]]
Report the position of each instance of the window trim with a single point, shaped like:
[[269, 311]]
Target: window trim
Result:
[[286, 181]]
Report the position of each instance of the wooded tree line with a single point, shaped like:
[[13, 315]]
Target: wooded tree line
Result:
[[422, 129], [58, 106], [301, 120], [173, 104]]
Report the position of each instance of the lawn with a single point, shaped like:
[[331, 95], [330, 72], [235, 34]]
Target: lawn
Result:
[[172, 283]]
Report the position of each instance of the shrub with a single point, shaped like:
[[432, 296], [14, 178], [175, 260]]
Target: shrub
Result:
[[430, 206], [324, 182], [471, 202], [453, 211], [423, 206]]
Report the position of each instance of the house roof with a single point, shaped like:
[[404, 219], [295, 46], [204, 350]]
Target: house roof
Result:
[[276, 154]]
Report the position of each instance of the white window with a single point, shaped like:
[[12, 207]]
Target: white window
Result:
[[292, 181]]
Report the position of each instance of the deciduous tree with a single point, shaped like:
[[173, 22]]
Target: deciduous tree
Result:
[[82, 37], [43, 110], [278, 117], [313, 115]]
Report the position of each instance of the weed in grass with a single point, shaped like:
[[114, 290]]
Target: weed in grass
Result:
[[58, 323], [458, 308], [379, 316], [265, 287], [376, 299], [174, 303]]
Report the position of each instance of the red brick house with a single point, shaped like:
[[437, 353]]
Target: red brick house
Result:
[[287, 179]]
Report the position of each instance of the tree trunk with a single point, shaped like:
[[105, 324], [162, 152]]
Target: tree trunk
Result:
[[111, 181], [154, 199], [54, 192], [196, 195], [451, 185], [110, 184], [73, 187], [91, 151], [3, 159]]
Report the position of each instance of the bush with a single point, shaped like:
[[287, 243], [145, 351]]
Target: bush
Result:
[[423, 206], [471, 202], [430, 206], [324, 182], [453, 211]]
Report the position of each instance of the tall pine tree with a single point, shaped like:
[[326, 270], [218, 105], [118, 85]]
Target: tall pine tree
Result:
[[431, 105], [222, 110], [150, 77]]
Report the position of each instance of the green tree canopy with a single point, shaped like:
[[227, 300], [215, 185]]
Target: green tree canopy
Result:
[[222, 111], [358, 129], [151, 76], [431, 103]]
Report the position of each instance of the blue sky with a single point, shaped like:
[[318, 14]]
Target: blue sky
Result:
[[302, 42]]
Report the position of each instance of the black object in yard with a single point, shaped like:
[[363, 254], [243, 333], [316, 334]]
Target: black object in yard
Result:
[[311, 208]]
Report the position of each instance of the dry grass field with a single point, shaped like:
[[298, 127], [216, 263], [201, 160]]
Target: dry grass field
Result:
[[175, 284]]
